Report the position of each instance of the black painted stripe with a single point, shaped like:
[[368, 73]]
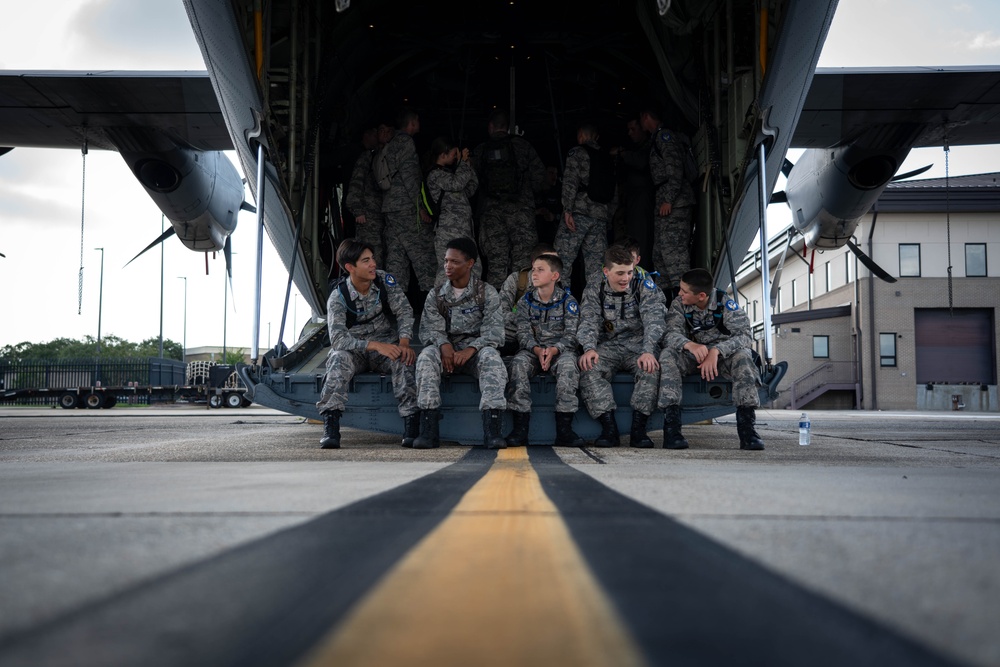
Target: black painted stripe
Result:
[[264, 603], [689, 600]]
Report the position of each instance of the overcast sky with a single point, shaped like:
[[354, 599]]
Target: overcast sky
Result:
[[40, 190]]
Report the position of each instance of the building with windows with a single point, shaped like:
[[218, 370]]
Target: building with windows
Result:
[[928, 341]]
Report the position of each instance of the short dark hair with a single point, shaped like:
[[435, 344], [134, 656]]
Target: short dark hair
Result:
[[349, 251], [616, 254], [699, 280], [588, 128], [554, 261], [405, 115], [630, 243], [464, 245], [499, 119], [542, 249]]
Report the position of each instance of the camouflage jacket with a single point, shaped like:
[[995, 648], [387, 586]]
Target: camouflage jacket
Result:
[[634, 317], [666, 165], [467, 322], [687, 323], [404, 193], [575, 181], [451, 189], [363, 194], [372, 321], [552, 323], [528, 163]]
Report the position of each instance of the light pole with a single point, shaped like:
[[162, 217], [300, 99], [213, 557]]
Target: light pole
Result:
[[100, 304], [185, 343], [161, 287]]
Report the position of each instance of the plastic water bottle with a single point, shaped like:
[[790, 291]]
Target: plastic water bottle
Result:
[[804, 429]]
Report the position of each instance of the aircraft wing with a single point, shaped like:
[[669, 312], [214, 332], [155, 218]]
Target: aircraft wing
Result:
[[962, 103], [61, 109]]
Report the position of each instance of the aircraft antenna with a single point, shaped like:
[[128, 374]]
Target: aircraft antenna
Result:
[[947, 215], [83, 198]]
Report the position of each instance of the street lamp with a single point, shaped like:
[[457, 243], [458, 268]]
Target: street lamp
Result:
[[100, 303], [185, 343]]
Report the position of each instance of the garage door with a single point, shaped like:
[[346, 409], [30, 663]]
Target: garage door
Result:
[[955, 347]]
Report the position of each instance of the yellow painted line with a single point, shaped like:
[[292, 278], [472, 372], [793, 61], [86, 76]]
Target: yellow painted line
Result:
[[498, 582]]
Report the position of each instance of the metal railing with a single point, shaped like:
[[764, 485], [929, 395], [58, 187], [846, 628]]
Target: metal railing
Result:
[[87, 372], [826, 374]]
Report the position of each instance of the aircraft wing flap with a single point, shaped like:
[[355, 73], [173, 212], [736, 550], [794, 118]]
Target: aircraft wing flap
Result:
[[57, 109], [843, 103]]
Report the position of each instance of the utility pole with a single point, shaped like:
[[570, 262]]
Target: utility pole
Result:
[[185, 343], [100, 303], [161, 287]]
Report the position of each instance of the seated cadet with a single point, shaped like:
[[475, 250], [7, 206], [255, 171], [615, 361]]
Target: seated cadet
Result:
[[547, 319], [461, 326], [707, 331], [621, 325], [632, 245], [363, 338], [513, 288]]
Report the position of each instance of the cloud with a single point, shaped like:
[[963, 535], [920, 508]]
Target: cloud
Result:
[[984, 41]]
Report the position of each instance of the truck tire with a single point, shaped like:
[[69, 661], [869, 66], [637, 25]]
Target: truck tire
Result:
[[68, 401], [93, 401], [215, 400], [247, 402], [110, 401], [234, 400]]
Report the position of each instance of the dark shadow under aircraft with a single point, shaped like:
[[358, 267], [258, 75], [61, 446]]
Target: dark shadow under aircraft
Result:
[[291, 84]]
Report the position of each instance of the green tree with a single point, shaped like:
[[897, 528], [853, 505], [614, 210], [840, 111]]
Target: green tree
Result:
[[234, 357]]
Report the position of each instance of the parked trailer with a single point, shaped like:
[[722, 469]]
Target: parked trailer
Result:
[[102, 384]]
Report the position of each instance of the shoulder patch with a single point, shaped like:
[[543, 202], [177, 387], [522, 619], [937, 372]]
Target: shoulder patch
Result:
[[649, 284], [732, 305], [572, 307], [390, 280], [664, 136]]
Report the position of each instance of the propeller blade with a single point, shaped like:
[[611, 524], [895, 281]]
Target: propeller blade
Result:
[[227, 250], [779, 197], [910, 174], [776, 281], [5, 149], [160, 239], [786, 167], [869, 262], [245, 206]]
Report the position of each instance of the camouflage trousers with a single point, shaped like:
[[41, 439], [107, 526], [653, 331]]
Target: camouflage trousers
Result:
[[738, 367], [485, 365], [371, 231], [448, 229], [525, 365], [507, 235], [409, 242], [590, 239], [342, 366], [672, 245], [595, 384]]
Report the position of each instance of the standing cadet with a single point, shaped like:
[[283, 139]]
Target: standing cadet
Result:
[[513, 288], [510, 172], [620, 329], [547, 321], [707, 331], [412, 240], [364, 198], [461, 328], [637, 186], [589, 199], [673, 201], [451, 182], [548, 206], [363, 338]]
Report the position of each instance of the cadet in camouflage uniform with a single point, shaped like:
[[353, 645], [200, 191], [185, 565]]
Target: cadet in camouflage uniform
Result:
[[620, 329], [510, 172], [707, 332], [412, 239], [451, 182], [513, 288], [461, 339], [363, 338], [547, 321], [674, 201], [364, 198], [585, 228]]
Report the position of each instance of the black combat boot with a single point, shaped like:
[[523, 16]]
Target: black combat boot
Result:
[[331, 430], [672, 438], [411, 428], [519, 434], [565, 436], [638, 437], [609, 431], [492, 422], [428, 438], [746, 419]]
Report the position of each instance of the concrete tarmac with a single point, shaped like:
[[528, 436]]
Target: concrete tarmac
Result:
[[894, 516]]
